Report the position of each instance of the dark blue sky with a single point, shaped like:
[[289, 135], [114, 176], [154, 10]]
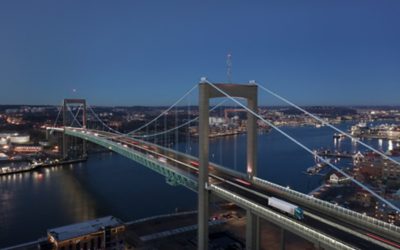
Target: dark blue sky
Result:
[[149, 53]]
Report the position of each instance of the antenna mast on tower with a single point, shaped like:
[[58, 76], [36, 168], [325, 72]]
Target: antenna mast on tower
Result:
[[229, 67]]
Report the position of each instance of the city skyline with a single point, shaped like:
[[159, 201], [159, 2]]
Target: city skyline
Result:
[[130, 53]]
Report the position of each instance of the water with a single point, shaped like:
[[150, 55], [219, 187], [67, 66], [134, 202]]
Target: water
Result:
[[109, 184]]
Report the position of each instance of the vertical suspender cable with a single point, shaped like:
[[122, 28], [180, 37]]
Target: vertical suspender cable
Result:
[[165, 129], [188, 134], [165, 111], [177, 130]]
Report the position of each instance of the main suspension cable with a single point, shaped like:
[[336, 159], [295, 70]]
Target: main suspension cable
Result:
[[58, 116], [102, 122], [164, 112], [305, 148], [177, 127]]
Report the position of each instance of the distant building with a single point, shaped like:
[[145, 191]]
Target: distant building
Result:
[[3, 156], [28, 149], [216, 120], [337, 178], [358, 157], [334, 179], [390, 171], [101, 233], [14, 138], [20, 139]]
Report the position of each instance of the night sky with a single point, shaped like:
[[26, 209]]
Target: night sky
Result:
[[320, 52]]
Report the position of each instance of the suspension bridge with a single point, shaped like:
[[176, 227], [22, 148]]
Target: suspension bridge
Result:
[[326, 225]]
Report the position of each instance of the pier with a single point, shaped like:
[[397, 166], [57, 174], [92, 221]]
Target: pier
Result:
[[37, 165], [334, 154], [316, 168]]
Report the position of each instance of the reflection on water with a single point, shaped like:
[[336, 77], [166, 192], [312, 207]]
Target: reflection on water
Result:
[[354, 147], [390, 145], [27, 200], [107, 184], [380, 143]]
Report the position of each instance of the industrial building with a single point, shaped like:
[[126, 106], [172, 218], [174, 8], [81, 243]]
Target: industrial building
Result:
[[101, 233]]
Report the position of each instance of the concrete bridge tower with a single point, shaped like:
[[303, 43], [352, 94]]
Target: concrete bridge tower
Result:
[[66, 139], [206, 92]]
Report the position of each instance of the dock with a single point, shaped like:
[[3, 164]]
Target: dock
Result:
[[35, 166], [316, 168], [335, 154]]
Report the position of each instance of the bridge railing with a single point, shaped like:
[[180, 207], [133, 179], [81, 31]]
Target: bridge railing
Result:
[[362, 219], [172, 174], [279, 219]]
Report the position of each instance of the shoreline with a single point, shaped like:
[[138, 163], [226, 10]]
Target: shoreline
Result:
[[33, 167]]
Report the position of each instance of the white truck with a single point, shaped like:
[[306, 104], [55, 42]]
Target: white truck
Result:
[[286, 207], [162, 159]]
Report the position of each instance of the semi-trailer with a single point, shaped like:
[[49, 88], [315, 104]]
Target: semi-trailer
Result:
[[286, 207]]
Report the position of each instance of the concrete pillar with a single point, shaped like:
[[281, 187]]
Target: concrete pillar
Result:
[[283, 234], [252, 231], [203, 196], [84, 125], [252, 136], [65, 138], [253, 222]]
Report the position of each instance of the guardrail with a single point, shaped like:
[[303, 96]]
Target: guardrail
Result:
[[284, 222], [345, 214], [172, 174]]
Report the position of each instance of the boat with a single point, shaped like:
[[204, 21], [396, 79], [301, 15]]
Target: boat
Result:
[[339, 136], [317, 167]]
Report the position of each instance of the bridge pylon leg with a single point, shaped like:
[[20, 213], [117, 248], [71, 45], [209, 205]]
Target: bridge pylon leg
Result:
[[283, 236], [65, 144], [252, 136], [252, 231], [203, 195], [84, 126]]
